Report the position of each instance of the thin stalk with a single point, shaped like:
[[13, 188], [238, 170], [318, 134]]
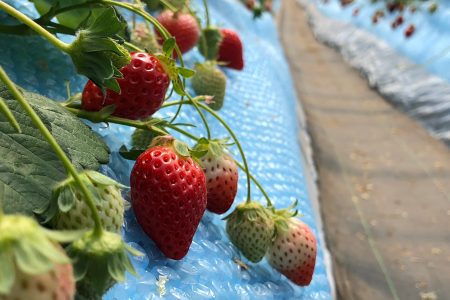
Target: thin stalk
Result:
[[34, 26], [98, 229], [256, 182], [205, 4], [93, 116], [194, 102], [133, 47], [230, 131]]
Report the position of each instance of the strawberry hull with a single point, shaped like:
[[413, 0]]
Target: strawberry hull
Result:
[[169, 199]]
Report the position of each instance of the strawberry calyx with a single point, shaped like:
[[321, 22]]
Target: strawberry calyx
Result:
[[281, 217], [101, 261], [251, 211], [65, 193], [213, 148], [97, 51], [29, 247]]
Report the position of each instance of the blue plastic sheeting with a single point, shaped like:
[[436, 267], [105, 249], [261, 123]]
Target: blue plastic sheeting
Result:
[[410, 73], [261, 108], [429, 45]]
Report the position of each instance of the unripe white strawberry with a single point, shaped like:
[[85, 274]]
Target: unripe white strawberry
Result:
[[32, 264]]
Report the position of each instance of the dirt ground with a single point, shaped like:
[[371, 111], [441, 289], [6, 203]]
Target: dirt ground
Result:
[[384, 181]]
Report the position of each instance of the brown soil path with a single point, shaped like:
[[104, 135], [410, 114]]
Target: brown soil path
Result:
[[384, 181]]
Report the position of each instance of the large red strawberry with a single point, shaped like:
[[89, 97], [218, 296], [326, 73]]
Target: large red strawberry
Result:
[[293, 252], [231, 50], [142, 89], [168, 192], [183, 27], [221, 176]]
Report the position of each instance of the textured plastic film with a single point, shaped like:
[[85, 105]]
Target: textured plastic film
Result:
[[260, 106], [411, 73]]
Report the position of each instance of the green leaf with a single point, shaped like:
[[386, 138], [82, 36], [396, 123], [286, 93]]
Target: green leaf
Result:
[[132, 154], [71, 19], [65, 236], [181, 148], [185, 72], [29, 168], [66, 199], [168, 46], [7, 271]]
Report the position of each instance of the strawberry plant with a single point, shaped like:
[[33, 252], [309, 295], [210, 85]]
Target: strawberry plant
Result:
[[51, 155]]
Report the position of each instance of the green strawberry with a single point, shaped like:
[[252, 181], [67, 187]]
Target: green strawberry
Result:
[[32, 264], [211, 81], [68, 209], [251, 229], [145, 38]]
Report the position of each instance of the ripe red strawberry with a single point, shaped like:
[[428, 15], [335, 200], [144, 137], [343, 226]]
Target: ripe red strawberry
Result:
[[410, 30], [221, 181], [293, 252], [168, 193], [142, 89], [231, 50], [250, 228], [183, 27]]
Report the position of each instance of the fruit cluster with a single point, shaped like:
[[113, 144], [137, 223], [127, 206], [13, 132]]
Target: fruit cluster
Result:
[[171, 185], [392, 7]]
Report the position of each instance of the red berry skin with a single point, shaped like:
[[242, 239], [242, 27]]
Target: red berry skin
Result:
[[293, 253], [142, 89], [221, 181], [183, 27], [168, 196], [231, 50], [410, 31]]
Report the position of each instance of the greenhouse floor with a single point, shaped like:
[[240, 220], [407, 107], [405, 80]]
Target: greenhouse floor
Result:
[[384, 181]]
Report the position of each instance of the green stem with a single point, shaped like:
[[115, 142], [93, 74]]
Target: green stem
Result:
[[35, 26], [168, 5], [205, 4], [194, 102], [133, 47], [256, 182], [98, 229], [94, 117]]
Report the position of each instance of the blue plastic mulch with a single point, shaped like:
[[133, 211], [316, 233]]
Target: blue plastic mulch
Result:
[[260, 106], [429, 45]]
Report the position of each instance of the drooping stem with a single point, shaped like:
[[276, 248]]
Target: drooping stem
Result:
[[202, 116], [205, 4], [256, 182], [34, 26], [230, 131], [98, 229]]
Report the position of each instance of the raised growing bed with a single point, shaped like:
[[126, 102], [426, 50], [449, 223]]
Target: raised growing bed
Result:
[[261, 108]]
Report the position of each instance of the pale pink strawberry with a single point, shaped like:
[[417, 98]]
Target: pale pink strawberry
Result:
[[293, 252], [221, 181], [57, 284]]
